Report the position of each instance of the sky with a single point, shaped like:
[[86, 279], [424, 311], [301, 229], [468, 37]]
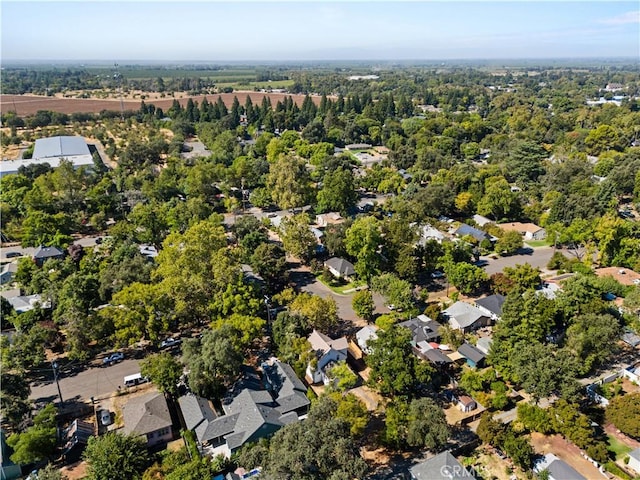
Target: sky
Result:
[[219, 31]]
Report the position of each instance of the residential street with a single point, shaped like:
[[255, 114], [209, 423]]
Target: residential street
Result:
[[539, 257], [97, 382]]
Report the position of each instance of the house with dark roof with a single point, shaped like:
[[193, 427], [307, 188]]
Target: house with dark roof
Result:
[[328, 352], [251, 411], [474, 357], [466, 317], [340, 268], [423, 329], [42, 254], [443, 466], [492, 305], [557, 469], [464, 230], [148, 416]]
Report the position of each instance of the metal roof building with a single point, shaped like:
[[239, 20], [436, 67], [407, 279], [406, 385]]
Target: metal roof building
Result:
[[52, 150]]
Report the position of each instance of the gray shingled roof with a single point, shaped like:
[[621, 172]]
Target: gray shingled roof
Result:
[[436, 356], [342, 266], [422, 329], [146, 414], [465, 229], [288, 390], [195, 410], [464, 314], [47, 252], [443, 466], [470, 352], [560, 470], [493, 303]]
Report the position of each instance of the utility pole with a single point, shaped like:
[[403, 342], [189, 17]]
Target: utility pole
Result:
[[54, 364]]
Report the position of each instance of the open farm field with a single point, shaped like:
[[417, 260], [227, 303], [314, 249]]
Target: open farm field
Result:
[[29, 104]]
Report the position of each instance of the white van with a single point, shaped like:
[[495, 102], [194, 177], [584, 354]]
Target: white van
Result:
[[135, 379]]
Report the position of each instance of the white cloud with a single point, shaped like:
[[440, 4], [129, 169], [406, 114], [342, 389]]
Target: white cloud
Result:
[[623, 18]]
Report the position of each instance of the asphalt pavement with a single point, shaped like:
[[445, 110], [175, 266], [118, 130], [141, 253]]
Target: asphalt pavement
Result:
[[536, 257], [95, 381]]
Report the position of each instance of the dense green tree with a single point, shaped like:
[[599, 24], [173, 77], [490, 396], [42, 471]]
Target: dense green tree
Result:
[[467, 278], [338, 193], [395, 370], [163, 370], [592, 338], [362, 303], [624, 412], [213, 361], [297, 238], [37, 442], [14, 397], [396, 291], [426, 425], [523, 277], [509, 243], [270, 263], [289, 182], [114, 455], [361, 242], [320, 313], [321, 447]]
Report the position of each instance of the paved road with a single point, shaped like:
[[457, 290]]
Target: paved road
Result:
[[539, 257], [97, 382], [29, 251]]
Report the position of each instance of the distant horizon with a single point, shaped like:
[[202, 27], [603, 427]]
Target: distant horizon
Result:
[[526, 61], [316, 31]]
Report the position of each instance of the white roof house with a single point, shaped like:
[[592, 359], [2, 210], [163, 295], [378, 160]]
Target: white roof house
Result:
[[53, 150], [364, 336], [466, 317]]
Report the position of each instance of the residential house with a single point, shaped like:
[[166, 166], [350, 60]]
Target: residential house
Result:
[[492, 305], [328, 352], [622, 275], [364, 336], [549, 290], [8, 273], [480, 220], [357, 146], [42, 254], [251, 411], [484, 344], [423, 329], [465, 403], [427, 232], [557, 469], [464, 316], [630, 338], [148, 416], [443, 466], [24, 303], [464, 230], [634, 460], [474, 357], [76, 437], [431, 353], [530, 231], [340, 268], [326, 219]]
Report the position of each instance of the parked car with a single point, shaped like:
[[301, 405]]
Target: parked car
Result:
[[113, 358], [13, 254], [437, 274], [170, 342], [105, 417]]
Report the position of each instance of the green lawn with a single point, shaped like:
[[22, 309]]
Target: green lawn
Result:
[[339, 288], [617, 447], [537, 243]]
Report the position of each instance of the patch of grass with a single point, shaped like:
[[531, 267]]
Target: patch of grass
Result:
[[611, 467], [340, 288], [617, 447], [537, 243]]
